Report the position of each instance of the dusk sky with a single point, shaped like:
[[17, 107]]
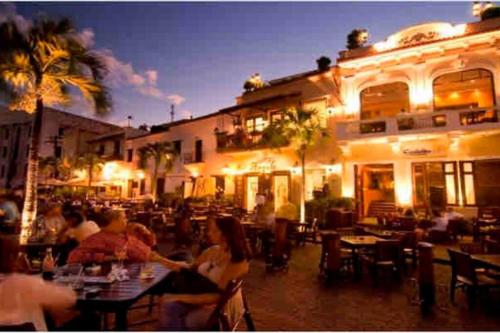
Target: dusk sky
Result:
[[199, 54]]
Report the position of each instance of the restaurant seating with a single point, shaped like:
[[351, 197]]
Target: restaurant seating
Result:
[[464, 275], [492, 246], [472, 248], [409, 246], [221, 320], [333, 258], [387, 255], [307, 233]]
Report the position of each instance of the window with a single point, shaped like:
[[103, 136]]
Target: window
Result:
[[4, 152], [117, 148], [101, 149], [198, 151], [27, 150], [487, 182], [29, 131], [450, 179], [130, 154], [142, 186], [178, 146], [2, 172], [58, 151], [467, 181], [6, 133], [60, 132], [464, 90], [276, 116], [256, 124], [385, 100]]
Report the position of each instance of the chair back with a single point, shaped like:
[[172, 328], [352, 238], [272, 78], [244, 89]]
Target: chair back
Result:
[[388, 250], [462, 265], [220, 317], [24, 327], [492, 246], [472, 248]]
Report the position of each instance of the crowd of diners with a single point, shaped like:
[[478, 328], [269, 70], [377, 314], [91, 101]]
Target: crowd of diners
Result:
[[92, 237]]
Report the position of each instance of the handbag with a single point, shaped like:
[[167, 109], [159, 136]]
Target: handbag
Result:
[[187, 281]]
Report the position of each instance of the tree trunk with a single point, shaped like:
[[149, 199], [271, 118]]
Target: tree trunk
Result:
[[155, 179], [91, 175], [303, 192], [30, 198]]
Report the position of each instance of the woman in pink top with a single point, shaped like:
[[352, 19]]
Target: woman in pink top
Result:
[[113, 235]]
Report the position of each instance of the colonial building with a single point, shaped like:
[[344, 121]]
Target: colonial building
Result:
[[63, 135], [418, 125]]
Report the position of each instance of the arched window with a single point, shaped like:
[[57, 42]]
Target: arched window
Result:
[[385, 100], [468, 89]]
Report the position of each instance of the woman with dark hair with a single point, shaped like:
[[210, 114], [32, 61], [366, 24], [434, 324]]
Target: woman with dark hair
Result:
[[225, 260]]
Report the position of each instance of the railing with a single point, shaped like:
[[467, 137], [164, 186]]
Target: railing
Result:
[[415, 123], [239, 141], [190, 157]]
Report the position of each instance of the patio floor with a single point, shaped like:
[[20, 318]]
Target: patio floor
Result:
[[299, 300]]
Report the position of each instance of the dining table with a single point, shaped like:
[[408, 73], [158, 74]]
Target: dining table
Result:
[[119, 296], [355, 243], [491, 261]]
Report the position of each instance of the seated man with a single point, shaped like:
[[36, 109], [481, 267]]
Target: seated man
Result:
[[102, 246]]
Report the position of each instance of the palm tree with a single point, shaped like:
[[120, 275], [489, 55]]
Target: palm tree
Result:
[[37, 68], [90, 162], [301, 128], [161, 153]]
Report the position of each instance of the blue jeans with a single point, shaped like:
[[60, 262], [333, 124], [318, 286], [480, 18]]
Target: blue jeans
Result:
[[177, 316]]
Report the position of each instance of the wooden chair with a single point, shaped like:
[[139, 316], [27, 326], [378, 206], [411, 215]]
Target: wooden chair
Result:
[[333, 259], [409, 246], [24, 327], [492, 246], [220, 319], [472, 248], [307, 233], [465, 276], [387, 255]]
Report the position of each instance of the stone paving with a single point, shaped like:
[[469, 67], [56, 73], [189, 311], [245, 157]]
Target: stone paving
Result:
[[300, 300]]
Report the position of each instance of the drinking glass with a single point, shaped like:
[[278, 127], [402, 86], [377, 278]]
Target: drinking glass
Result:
[[121, 255]]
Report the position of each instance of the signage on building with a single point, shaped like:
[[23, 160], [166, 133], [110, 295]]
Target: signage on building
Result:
[[263, 166], [417, 152]]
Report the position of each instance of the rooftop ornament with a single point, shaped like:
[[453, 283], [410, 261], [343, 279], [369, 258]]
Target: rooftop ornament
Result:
[[253, 83], [420, 34], [357, 38]]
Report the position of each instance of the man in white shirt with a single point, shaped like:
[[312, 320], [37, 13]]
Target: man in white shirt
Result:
[[79, 227]]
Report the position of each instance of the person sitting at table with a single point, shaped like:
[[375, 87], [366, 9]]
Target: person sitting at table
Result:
[[225, 260], [287, 210], [24, 298], [54, 221], [113, 236], [9, 213], [142, 233]]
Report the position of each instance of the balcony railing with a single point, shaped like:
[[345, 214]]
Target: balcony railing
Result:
[[240, 140], [190, 157], [421, 122]]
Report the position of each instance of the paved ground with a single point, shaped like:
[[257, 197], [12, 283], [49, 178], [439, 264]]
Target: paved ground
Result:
[[299, 300]]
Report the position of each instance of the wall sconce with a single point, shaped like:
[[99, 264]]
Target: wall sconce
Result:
[[346, 150], [396, 147]]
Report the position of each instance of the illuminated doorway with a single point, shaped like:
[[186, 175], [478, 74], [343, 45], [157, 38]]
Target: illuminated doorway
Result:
[[252, 188], [281, 186], [374, 188], [429, 186]]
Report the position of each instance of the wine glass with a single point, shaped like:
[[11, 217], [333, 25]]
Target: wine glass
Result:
[[121, 254]]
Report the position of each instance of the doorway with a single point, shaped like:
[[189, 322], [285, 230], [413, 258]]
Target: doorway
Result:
[[429, 186], [374, 187], [252, 189]]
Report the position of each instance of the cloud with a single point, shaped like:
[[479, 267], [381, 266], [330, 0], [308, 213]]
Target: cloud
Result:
[[176, 99], [8, 12], [86, 37], [120, 74]]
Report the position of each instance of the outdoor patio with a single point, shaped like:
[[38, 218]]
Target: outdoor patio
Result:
[[300, 300]]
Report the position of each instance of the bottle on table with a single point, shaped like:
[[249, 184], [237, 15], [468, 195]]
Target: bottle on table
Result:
[[48, 265]]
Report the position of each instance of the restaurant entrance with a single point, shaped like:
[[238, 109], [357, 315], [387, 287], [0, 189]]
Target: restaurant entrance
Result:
[[276, 183], [374, 187]]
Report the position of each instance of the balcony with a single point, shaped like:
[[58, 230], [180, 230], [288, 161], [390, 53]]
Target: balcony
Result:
[[240, 141], [430, 122], [190, 158]]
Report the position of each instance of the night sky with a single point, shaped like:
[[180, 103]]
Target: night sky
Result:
[[199, 54]]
